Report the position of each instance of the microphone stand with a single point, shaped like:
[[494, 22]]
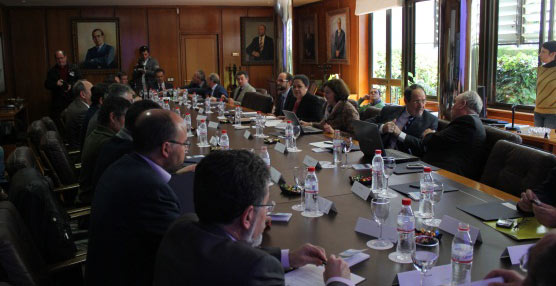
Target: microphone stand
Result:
[[513, 127]]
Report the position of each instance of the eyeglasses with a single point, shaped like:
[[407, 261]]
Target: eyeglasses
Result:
[[282, 80], [424, 101], [185, 144], [269, 207]]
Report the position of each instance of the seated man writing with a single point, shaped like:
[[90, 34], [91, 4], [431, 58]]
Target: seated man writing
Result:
[[231, 200]]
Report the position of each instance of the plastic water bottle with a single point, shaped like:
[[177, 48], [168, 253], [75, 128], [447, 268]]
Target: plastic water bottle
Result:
[[166, 104], [377, 173], [427, 189], [311, 194], [221, 107], [258, 124], [184, 96], [288, 133], [265, 156], [194, 100], [406, 231], [175, 95], [203, 133], [237, 116], [177, 111], [187, 120], [224, 141], [462, 256], [207, 105], [337, 147]]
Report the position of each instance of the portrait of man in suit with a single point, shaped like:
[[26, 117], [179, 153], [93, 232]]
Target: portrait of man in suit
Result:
[[339, 41], [257, 41], [308, 39], [96, 43], [337, 30]]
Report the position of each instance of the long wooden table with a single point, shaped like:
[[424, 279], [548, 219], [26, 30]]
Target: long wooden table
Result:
[[336, 233]]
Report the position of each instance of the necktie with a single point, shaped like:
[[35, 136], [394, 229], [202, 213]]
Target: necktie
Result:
[[409, 121], [261, 44]]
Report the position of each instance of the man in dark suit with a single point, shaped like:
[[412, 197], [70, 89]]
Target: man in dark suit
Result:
[[143, 73], [221, 248], [74, 115], [101, 56], [133, 205], [402, 127], [198, 84], [262, 46], [339, 43], [459, 147], [160, 83], [217, 91], [59, 80], [285, 92]]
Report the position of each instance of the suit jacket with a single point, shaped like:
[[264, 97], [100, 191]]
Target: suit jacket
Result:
[[310, 109], [114, 149], [339, 44], [132, 209], [73, 117], [267, 54], [93, 109], [218, 92], [278, 111], [200, 89], [167, 85], [151, 66], [340, 117], [545, 191], [458, 148], [60, 97], [100, 59], [238, 95], [412, 143]]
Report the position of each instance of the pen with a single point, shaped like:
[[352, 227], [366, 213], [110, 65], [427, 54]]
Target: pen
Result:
[[536, 202], [324, 263]]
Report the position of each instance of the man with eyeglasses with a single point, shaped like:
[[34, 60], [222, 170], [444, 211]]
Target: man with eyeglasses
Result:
[[221, 248], [133, 204], [373, 99], [402, 126]]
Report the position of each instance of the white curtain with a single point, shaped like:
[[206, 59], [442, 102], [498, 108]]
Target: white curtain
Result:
[[363, 7]]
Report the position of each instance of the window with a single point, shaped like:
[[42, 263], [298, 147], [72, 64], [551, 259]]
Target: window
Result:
[[522, 29], [426, 46], [386, 53]]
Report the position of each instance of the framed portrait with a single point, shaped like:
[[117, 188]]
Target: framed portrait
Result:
[[96, 44], [337, 36], [308, 39], [257, 41], [2, 79]]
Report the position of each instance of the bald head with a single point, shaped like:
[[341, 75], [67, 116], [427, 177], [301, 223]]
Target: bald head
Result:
[[153, 128]]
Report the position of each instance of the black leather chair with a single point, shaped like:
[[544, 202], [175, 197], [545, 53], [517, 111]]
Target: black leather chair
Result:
[[257, 101], [57, 159], [21, 157], [370, 112], [50, 125], [261, 91], [442, 123], [512, 168], [20, 261]]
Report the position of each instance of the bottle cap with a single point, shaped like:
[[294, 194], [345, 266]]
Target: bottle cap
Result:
[[258, 112], [406, 201], [427, 169], [463, 226], [224, 131], [177, 107], [289, 121], [311, 169], [378, 151], [202, 121], [237, 106], [188, 113]]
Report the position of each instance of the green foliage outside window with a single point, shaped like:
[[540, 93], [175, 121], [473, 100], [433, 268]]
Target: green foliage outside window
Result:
[[516, 76]]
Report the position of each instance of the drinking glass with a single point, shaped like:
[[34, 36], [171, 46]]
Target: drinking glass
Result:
[[425, 255], [299, 174], [346, 147], [380, 208], [262, 122], [435, 198], [296, 133], [389, 166]]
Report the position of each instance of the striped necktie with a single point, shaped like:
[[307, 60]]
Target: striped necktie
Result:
[[409, 121]]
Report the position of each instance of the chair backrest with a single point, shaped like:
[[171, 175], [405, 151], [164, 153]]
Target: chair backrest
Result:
[[261, 90], [312, 88], [354, 103], [370, 112], [442, 123], [512, 167], [19, 258], [35, 132], [50, 125], [21, 157], [57, 158], [257, 101]]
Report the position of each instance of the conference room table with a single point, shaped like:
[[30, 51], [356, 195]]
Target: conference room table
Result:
[[335, 232]]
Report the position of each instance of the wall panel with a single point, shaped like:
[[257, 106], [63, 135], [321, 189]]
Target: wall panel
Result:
[[200, 20], [163, 39], [58, 30], [133, 34], [94, 12]]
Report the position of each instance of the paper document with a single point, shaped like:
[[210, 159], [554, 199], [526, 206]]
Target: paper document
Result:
[[249, 114], [281, 125], [322, 144], [311, 275], [272, 123]]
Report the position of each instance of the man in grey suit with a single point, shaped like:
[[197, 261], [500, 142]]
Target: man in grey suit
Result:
[[244, 86], [74, 115], [339, 44], [144, 72], [222, 247], [402, 127]]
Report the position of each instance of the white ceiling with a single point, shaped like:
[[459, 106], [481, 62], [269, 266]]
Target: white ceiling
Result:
[[146, 2]]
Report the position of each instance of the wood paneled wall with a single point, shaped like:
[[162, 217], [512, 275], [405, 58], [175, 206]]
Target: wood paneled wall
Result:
[[355, 74], [32, 35]]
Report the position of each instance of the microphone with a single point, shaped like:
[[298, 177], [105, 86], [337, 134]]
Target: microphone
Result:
[[513, 127]]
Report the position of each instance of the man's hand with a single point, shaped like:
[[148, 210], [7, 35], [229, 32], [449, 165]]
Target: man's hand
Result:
[[511, 278], [60, 82], [255, 54], [304, 123], [335, 267], [328, 129], [307, 254], [337, 53], [190, 168], [527, 197], [545, 214], [391, 127], [427, 131], [367, 97]]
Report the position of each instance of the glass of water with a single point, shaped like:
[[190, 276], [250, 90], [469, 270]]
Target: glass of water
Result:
[[296, 133], [435, 198], [346, 147], [389, 166], [425, 255], [299, 174], [380, 208]]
